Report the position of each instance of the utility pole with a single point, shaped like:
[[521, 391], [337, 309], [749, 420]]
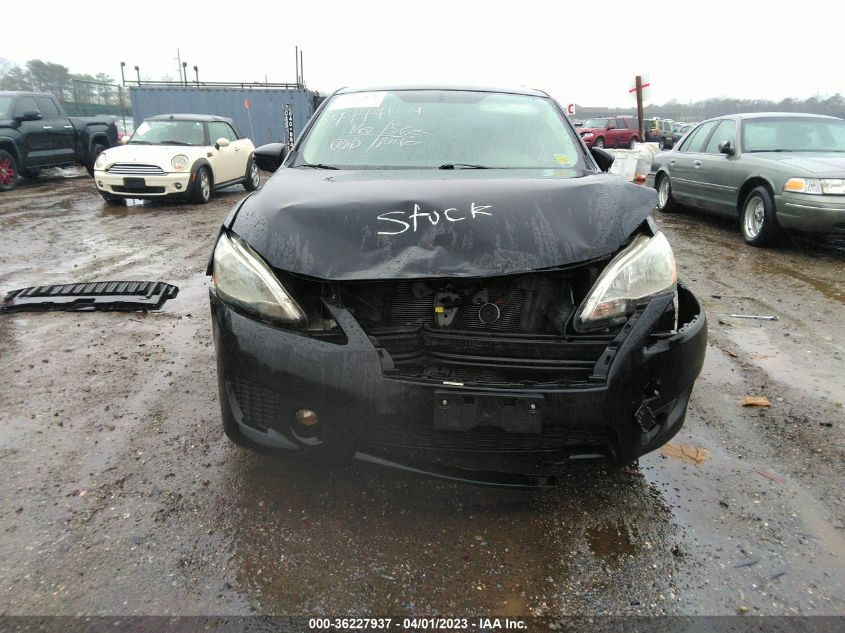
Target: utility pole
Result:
[[138, 72], [640, 107], [197, 75], [179, 64]]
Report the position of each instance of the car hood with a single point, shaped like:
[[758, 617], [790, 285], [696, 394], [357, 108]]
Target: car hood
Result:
[[160, 155], [405, 224], [816, 163], [582, 130]]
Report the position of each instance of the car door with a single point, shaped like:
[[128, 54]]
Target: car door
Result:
[[225, 160], [62, 137], [36, 141], [718, 175], [684, 163]]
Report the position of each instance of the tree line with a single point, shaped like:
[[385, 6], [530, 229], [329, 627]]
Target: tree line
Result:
[[40, 76]]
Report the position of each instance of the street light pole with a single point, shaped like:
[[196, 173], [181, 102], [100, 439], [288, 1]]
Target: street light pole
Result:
[[138, 73], [197, 74], [185, 73], [122, 77]]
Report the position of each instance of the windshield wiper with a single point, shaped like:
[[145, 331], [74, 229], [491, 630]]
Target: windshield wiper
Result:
[[140, 143], [462, 166], [318, 166], [173, 143]]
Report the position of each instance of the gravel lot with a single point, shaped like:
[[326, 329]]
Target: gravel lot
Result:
[[122, 496]]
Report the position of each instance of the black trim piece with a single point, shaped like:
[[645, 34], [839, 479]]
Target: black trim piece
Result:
[[101, 295]]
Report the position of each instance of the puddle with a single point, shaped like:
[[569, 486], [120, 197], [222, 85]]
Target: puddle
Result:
[[611, 540]]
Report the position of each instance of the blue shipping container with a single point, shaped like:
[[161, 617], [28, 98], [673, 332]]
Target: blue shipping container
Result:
[[266, 107]]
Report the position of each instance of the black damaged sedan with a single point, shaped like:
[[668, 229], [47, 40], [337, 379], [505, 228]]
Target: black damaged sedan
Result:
[[448, 281]]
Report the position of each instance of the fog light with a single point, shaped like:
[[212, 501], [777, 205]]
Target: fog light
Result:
[[178, 185], [306, 417], [100, 182]]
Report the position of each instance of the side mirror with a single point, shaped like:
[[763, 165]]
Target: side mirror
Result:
[[221, 142], [29, 115], [271, 156], [603, 158], [725, 148]]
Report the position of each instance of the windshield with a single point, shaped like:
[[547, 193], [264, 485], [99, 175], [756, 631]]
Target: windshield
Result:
[[169, 133], [439, 128], [599, 123], [798, 134], [5, 106]]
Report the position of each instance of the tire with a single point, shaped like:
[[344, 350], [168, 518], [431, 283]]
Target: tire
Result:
[[633, 143], [9, 174], [96, 150], [201, 191], [665, 202], [253, 175], [599, 142], [110, 198], [661, 144], [757, 221]]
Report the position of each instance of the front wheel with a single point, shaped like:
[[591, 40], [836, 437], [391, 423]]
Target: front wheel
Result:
[[633, 143], [8, 171], [201, 192], [758, 224], [253, 176], [95, 152], [599, 142], [661, 145], [665, 202]]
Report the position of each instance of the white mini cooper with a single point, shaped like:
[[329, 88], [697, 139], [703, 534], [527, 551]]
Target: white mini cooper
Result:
[[177, 155]]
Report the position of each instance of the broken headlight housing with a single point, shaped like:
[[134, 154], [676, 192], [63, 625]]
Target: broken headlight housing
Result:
[[243, 279], [644, 269]]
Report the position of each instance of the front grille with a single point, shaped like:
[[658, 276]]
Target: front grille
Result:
[[121, 189], [135, 169], [409, 433], [258, 404]]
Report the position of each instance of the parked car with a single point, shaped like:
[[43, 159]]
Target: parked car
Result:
[[679, 130], [448, 277], [659, 131], [125, 129], [178, 155], [36, 134], [622, 131], [771, 170]]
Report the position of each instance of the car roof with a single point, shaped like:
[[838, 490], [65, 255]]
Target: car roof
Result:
[[517, 91], [206, 118], [764, 115]]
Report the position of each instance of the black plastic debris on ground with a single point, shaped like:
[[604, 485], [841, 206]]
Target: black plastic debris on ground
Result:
[[100, 295]]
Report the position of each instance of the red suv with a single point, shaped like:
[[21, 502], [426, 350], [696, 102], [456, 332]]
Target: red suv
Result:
[[620, 131]]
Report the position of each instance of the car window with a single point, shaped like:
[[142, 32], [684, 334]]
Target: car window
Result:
[[169, 132], [422, 129], [793, 134], [48, 108], [724, 133], [620, 124], [595, 123], [699, 137], [25, 104], [220, 129]]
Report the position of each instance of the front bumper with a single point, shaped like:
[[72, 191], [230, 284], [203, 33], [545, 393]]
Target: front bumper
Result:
[[176, 184], [811, 213], [635, 401]]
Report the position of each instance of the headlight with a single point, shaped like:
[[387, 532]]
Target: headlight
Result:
[[588, 135], [829, 186], [243, 279], [644, 269], [101, 161], [180, 162]]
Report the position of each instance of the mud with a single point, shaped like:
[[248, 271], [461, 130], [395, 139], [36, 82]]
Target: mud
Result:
[[122, 496]]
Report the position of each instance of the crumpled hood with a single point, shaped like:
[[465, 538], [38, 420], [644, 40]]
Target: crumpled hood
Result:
[[816, 163], [405, 224]]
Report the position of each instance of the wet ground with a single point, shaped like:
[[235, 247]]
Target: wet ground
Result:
[[122, 496]]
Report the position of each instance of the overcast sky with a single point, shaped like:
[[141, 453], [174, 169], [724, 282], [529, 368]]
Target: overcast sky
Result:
[[589, 54]]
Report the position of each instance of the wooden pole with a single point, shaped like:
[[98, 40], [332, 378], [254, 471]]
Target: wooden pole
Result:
[[640, 107]]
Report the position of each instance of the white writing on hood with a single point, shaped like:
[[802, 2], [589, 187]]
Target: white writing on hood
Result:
[[412, 220]]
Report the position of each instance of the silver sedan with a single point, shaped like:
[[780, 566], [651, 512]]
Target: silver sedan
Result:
[[772, 171]]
